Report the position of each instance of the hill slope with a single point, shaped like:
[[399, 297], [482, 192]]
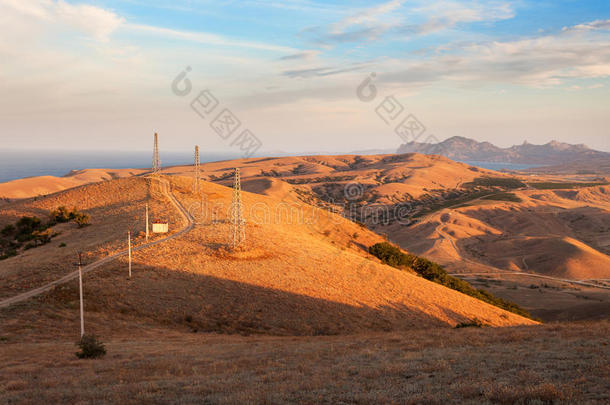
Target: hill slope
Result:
[[302, 271], [42, 185], [564, 233]]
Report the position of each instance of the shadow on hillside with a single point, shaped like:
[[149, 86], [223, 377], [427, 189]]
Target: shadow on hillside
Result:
[[200, 303]]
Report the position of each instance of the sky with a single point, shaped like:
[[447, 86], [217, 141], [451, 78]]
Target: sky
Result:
[[301, 76]]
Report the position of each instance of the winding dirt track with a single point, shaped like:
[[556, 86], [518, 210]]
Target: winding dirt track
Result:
[[517, 273], [90, 267], [444, 236]]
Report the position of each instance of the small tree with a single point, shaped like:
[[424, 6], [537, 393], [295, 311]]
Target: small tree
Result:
[[81, 220], [60, 215], [90, 347], [8, 230]]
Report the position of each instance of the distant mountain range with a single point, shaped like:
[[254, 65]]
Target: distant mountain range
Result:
[[466, 149]]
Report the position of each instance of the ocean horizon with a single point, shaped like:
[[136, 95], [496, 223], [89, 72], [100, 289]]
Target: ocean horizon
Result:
[[18, 164]]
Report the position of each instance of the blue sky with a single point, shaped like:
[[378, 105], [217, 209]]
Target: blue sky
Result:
[[97, 74]]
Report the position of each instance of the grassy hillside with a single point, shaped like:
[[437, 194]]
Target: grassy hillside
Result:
[[302, 271]]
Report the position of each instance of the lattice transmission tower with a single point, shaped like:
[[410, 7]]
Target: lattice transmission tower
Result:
[[197, 171], [156, 163], [237, 213]]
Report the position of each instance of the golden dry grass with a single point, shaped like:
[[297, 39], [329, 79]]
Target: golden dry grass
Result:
[[43, 185], [292, 276], [114, 207], [566, 363], [558, 233]]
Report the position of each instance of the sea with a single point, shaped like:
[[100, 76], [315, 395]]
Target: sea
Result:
[[17, 164], [500, 165]]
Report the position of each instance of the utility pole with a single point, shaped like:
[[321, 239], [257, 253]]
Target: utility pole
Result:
[[237, 212], [146, 222], [129, 249], [80, 288], [202, 217], [197, 170], [156, 164]]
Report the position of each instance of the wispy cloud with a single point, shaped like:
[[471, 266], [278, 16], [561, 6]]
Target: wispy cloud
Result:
[[419, 18], [304, 55], [320, 71], [443, 15], [207, 38], [590, 26], [542, 61]]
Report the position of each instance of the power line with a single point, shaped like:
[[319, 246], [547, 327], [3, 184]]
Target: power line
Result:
[[197, 170], [237, 208], [156, 163]]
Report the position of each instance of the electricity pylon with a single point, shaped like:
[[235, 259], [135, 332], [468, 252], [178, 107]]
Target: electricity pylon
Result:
[[156, 163], [237, 213], [197, 171]]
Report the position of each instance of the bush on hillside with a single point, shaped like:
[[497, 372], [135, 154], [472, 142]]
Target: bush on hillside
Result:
[[502, 182], [30, 232], [8, 230], [473, 323], [60, 215], [81, 220], [90, 347], [395, 257]]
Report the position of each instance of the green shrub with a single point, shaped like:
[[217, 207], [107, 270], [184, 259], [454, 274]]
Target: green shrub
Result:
[[394, 256], [504, 182], [90, 347], [27, 225], [503, 197], [8, 230], [36, 233], [62, 244], [563, 186], [473, 323], [81, 220], [60, 215], [8, 253]]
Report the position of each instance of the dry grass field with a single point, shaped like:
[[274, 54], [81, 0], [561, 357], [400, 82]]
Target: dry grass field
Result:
[[114, 207], [559, 363], [292, 277], [43, 185], [562, 232], [546, 299], [300, 313]]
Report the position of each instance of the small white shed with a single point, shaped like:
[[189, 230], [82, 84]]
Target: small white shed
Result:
[[160, 227]]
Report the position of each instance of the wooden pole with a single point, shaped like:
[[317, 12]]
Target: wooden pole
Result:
[[80, 288], [129, 248], [146, 222]]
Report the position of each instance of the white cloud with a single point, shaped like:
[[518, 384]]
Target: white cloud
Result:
[[367, 17], [92, 21], [538, 62], [590, 26], [420, 18], [442, 15]]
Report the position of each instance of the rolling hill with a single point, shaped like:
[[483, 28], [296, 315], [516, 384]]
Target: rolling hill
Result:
[[302, 271], [42, 185]]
